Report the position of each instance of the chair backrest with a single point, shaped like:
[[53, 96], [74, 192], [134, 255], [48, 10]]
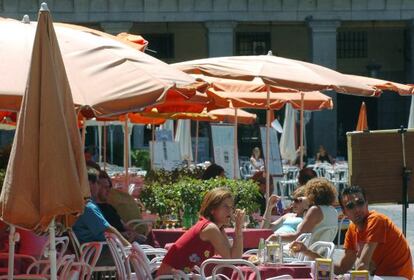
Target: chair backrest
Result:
[[305, 238], [61, 243], [90, 252], [138, 256], [325, 249], [233, 264], [119, 255], [327, 234], [284, 276]]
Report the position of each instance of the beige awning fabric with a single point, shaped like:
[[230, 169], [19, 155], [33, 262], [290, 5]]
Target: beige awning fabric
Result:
[[277, 71], [401, 89], [107, 75], [46, 175]]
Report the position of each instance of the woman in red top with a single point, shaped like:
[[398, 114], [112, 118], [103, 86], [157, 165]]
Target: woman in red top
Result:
[[207, 237]]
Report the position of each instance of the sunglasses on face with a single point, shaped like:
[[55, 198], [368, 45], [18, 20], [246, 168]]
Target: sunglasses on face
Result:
[[297, 200], [351, 205]]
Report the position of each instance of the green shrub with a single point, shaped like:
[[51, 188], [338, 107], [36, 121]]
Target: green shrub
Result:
[[172, 191], [141, 158]]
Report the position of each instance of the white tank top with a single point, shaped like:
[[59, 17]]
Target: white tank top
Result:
[[329, 220]]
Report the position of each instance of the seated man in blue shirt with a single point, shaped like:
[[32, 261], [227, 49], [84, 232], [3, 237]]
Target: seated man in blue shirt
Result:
[[91, 225]]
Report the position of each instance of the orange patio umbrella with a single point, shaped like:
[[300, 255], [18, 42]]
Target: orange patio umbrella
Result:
[[107, 75], [362, 124], [46, 175]]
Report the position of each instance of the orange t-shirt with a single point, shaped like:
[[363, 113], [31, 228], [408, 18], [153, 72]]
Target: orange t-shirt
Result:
[[392, 255]]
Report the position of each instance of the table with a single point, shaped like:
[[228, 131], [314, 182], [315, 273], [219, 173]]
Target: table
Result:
[[297, 272], [251, 236]]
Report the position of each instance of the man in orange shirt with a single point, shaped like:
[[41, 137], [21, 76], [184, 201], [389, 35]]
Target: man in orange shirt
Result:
[[372, 241]]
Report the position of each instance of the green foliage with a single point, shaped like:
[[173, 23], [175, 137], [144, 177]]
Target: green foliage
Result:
[[163, 176], [167, 193], [141, 158]]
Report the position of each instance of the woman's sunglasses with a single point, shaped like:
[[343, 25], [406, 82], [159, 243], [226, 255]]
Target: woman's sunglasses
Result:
[[351, 205], [297, 200]]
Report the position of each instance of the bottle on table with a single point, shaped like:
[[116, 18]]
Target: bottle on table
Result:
[[261, 251], [187, 217]]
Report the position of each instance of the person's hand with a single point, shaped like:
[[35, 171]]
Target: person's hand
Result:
[[239, 218], [273, 199], [298, 247]]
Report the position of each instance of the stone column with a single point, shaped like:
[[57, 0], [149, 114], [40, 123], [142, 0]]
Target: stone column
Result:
[[115, 28], [220, 38], [323, 52]]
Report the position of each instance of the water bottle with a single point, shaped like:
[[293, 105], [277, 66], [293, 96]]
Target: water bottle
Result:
[[261, 251], [187, 219], [279, 206], [279, 239]]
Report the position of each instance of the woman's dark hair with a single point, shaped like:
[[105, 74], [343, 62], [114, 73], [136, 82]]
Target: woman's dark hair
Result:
[[260, 178], [212, 171], [351, 190], [305, 175], [320, 192], [104, 175], [92, 175]]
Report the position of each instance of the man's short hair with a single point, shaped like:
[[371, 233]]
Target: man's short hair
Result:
[[93, 175], [351, 190]]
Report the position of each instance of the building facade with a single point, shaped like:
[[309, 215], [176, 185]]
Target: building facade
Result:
[[364, 37]]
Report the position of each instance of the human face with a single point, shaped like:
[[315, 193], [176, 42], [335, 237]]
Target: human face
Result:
[[104, 188], [224, 212], [299, 205], [356, 208], [94, 187]]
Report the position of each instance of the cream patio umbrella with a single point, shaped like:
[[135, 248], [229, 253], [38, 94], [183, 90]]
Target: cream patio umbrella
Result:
[[107, 75], [46, 175], [278, 71]]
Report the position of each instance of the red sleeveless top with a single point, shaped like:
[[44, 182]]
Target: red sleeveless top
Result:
[[189, 250]]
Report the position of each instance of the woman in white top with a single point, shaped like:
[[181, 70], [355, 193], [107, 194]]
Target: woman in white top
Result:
[[321, 195], [255, 160]]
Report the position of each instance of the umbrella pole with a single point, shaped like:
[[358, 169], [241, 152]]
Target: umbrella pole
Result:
[[84, 133], [268, 144], [196, 143], [12, 239], [52, 250], [153, 146], [236, 158], [100, 144], [111, 139], [302, 105], [105, 140], [126, 151]]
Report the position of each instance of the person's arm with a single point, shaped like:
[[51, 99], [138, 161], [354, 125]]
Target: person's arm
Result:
[[300, 247], [313, 217], [346, 262], [271, 203], [218, 238], [364, 261], [253, 162]]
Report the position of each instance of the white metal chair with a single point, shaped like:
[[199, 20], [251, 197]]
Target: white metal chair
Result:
[[233, 264], [120, 255], [144, 268], [284, 276], [104, 271], [325, 249], [89, 255]]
